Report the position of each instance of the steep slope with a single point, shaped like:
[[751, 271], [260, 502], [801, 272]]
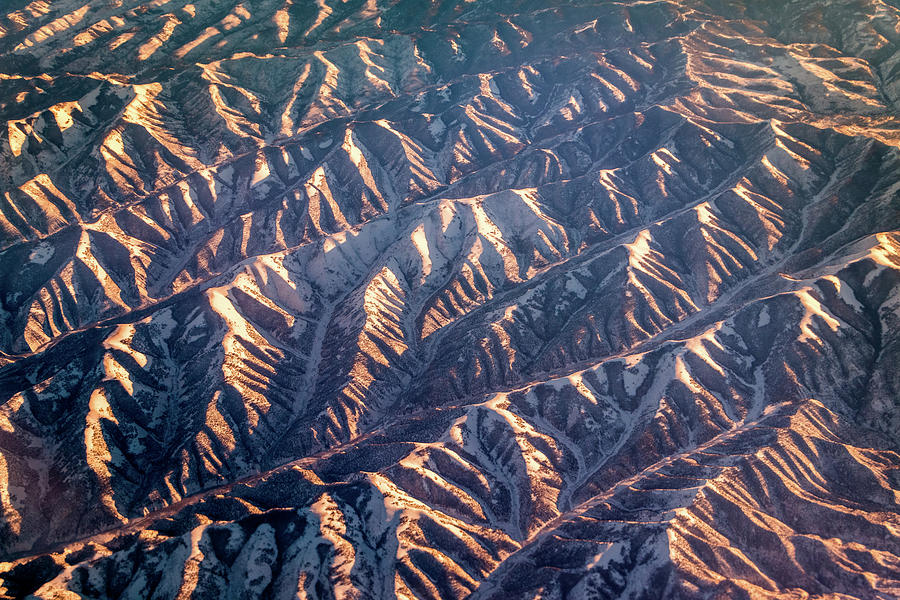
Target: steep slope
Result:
[[492, 299]]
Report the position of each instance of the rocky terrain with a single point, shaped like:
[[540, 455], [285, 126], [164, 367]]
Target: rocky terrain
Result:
[[365, 299]]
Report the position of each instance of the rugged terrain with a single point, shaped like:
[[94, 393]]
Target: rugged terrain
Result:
[[474, 298]]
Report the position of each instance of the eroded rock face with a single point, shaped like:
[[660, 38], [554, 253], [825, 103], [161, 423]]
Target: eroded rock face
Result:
[[489, 299]]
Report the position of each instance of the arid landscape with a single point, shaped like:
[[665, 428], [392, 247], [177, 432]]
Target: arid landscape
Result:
[[489, 299]]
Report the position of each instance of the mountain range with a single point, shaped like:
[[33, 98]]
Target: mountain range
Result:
[[489, 299]]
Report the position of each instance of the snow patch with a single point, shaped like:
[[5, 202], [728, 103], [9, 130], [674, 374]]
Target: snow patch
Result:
[[575, 287], [633, 377], [41, 253], [437, 128]]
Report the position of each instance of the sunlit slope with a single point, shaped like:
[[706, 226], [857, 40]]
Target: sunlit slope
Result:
[[490, 299]]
